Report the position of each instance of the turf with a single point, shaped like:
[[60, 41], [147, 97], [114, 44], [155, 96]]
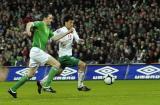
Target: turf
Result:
[[122, 92]]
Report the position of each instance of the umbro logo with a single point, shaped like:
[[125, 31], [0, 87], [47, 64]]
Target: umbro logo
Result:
[[148, 70], [68, 71], [106, 70], [22, 72]]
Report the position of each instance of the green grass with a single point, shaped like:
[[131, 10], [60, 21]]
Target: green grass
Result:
[[123, 92]]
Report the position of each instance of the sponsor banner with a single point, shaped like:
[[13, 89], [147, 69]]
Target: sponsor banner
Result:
[[94, 72], [144, 71], [98, 72], [68, 74], [15, 73]]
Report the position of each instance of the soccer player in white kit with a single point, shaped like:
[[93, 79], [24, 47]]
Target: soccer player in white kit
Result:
[[65, 53]]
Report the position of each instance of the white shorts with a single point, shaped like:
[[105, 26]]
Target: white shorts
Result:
[[37, 57]]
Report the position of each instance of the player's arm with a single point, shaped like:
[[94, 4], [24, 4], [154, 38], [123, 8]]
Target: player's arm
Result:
[[30, 25], [76, 37], [28, 28], [60, 35]]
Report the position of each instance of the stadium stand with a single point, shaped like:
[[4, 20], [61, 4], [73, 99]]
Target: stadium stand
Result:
[[115, 31]]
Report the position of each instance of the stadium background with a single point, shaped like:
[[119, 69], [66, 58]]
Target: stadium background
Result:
[[115, 31], [122, 32]]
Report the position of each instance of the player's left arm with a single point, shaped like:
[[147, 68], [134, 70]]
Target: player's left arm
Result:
[[76, 37]]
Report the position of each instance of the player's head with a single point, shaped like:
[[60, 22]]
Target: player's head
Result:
[[47, 18], [68, 21]]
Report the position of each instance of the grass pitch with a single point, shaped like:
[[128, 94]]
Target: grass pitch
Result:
[[122, 92]]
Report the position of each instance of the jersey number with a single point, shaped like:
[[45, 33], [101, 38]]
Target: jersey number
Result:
[[69, 36]]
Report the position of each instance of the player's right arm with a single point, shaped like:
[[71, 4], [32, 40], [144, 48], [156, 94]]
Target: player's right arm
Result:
[[30, 25], [28, 28]]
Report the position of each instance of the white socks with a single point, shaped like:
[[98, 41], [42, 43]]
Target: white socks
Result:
[[80, 78]]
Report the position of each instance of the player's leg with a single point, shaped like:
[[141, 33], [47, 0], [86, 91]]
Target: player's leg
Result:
[[81, 76], [41, 82], [35, 55], [64, 61], [14, 88], [61, 60], [52, 73], [45, 78], [55, 70], [67, 61]]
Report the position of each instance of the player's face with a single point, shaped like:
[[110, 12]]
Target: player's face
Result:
[[49, 19], [69, 24]]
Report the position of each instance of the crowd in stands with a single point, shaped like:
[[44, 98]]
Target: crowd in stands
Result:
[[115, 31]]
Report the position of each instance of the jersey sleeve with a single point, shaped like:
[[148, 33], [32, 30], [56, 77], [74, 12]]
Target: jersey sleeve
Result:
[[76, 37], [36, 23], [58, 32]]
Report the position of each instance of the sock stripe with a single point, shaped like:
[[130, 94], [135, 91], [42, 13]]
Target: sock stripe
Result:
[[12, 90]]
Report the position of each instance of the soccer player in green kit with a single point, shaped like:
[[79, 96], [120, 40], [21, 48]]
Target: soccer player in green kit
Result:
[[38, 56]]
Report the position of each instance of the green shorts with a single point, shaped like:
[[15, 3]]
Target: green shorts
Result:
[[68, 61]]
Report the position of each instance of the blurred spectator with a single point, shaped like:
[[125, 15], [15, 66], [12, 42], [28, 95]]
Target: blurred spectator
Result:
[[115, 31]]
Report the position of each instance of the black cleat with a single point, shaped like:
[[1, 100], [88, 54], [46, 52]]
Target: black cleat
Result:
[[39, 87], [14, 95], [49, 90], [84, 88]]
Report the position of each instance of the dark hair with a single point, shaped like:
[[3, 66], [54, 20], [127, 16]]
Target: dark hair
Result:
[[67, 18], [45, 15]]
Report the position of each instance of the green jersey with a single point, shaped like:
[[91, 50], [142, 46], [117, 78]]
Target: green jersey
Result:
[[41, 35]]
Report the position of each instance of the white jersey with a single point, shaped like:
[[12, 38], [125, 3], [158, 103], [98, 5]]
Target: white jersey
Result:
[[65, 44]]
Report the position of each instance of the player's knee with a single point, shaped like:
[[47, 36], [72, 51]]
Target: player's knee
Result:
[[30, 75], [82, 65], [31, 72], [58, 65], [59, 72]]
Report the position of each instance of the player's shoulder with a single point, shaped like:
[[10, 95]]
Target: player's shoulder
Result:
[[37, 23], [64, 28], [59, 30], [74, 29]]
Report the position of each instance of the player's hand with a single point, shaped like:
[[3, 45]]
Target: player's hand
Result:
[[28, 33], [81, 41]]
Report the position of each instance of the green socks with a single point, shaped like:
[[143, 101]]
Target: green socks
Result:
[[53, 71], [19, 83]]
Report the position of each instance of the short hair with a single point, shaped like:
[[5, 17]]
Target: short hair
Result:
[[67, 18], [45, 15]]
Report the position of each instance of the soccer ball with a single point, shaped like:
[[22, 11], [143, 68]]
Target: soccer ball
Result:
[[109, 79]]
